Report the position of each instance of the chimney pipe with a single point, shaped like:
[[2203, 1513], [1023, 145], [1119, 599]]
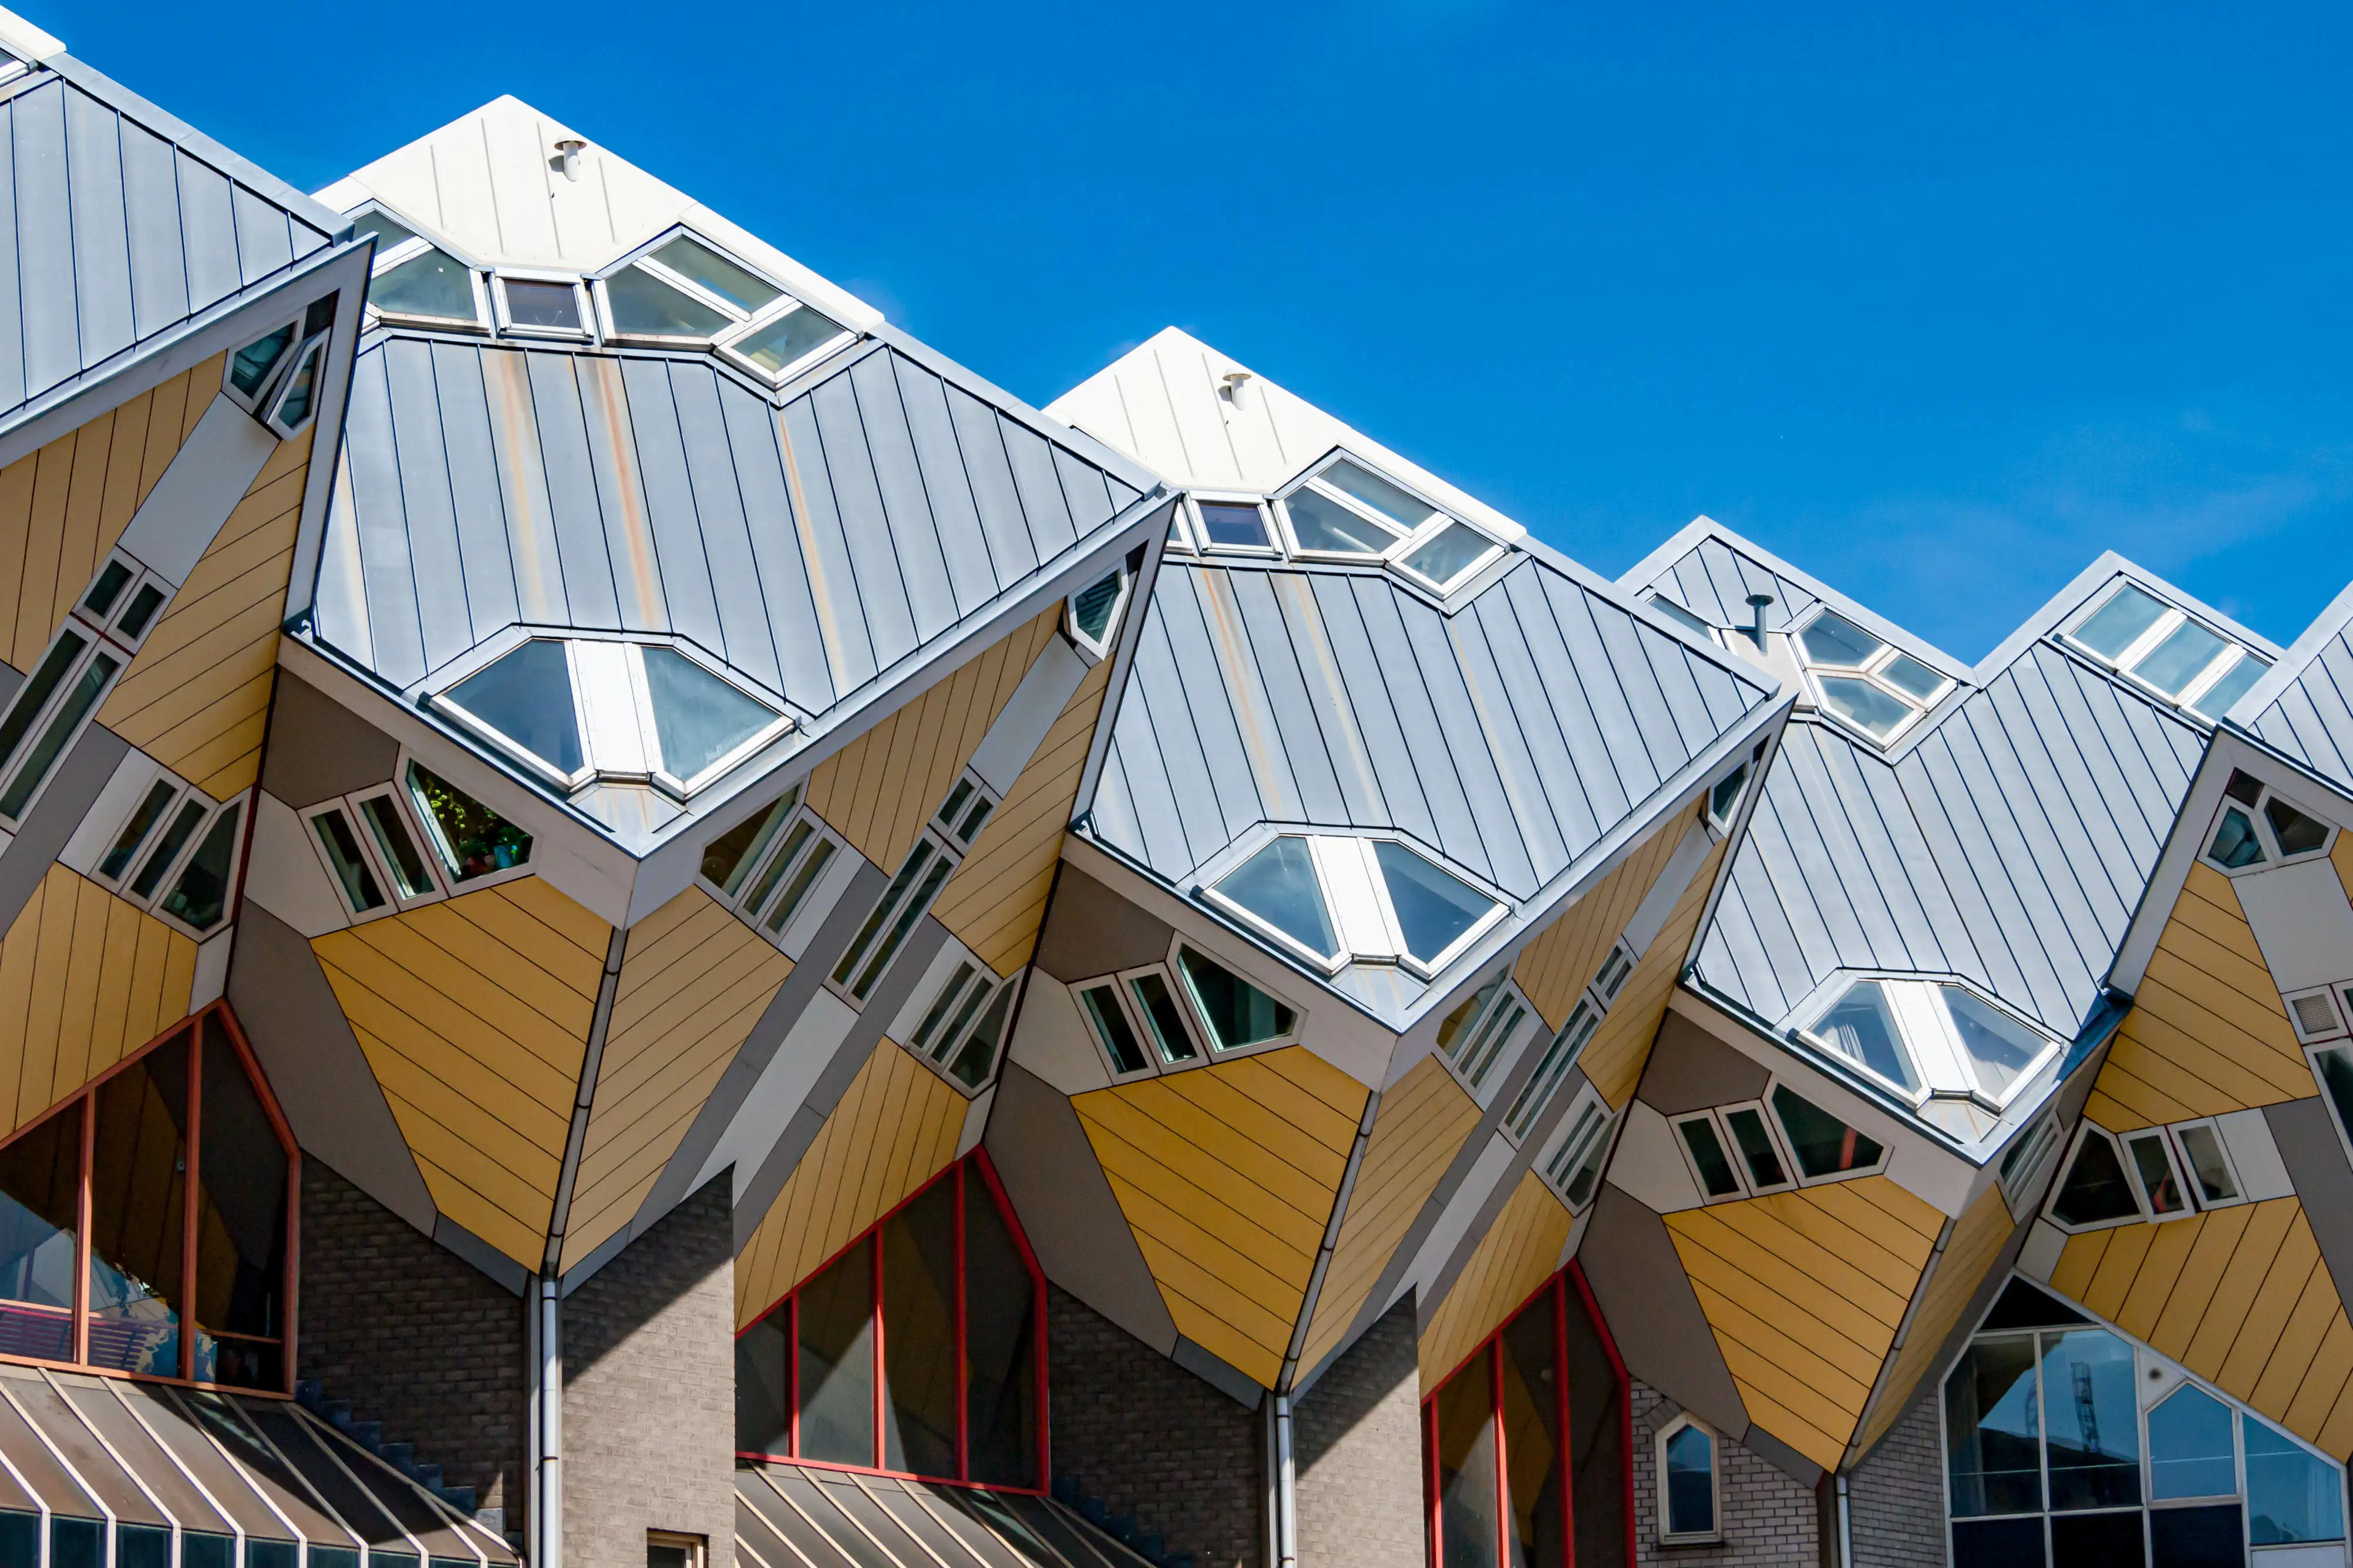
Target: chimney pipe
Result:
[[1758, 604]]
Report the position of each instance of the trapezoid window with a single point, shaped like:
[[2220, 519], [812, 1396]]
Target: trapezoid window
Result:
[[962, 1031], [1573, 1166], [1337, 900], [413, 281], [909, 895], [1092, 616], [1568, 1043], [1484, 1031], [577, 710], [1865, 680], [2169, 651], [1925, 1040], [781, 868], [686, 292], [2140, 1176], [918, 1351], [177, 855], [1237, 524], [1825, 1148], [1345, 511], [2255, 828]]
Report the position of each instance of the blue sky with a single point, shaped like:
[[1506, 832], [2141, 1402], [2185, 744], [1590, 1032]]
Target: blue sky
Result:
[[1939, 301]]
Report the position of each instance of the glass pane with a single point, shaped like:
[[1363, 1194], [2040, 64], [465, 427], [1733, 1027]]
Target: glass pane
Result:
[[108, 586], [83, 696], [1494, 1038], [947, 996], [1833, 639], [1863, 705], [138, 1214], [135, 831], [762, 1390], [527, 696], [689, 258], [2180, 658], [1578, 1188], [909, 913], [159, 859], [2155, 1174], [143, 605], [1823, 1145], [389, 231], [1998, 1543], [1377, 493], [2335, 1065], [2207, 1165], [1319, 522], [1091, 607], [813, 866], [77, 1543], [240, 1228], [249, 367], [2115, 624], [2109, 1540], [141, 1545], [837, 1360], [643, 305], [1433, 909], [1996, 1047], [1551, 1070], [1912, 675], [2232, 684], [2197, 1538], [20, 1537], [1862, 1027], [2235, 844], [699, 717], [1715, 1173], [342, 847], [1596, 1454], [201, 895], [1161, 1017], [474, 840], [1691, 1483], [1103, 1009], [2097, 1189], [1278, 885], [1237, 1012], [293, 406], [429, 284], [1993, 1453], [40, 1189], [1233, 523], [910, 869], [1447, 554], [1532, 1457], [47, 677], [973, 1064], [390, 831], [788, 339], [1464, 1414], [2091, 1418], [1453, 1035], [532, 302], [2291, 1495], [730, 857], [2189, 1452], [2297, 834], [1001, 1325], [1756, 1148], [919, 1338], [1725, 795]]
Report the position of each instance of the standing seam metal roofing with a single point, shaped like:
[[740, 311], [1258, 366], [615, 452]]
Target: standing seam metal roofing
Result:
[[2304, 708]]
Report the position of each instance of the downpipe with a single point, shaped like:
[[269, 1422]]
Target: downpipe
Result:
[[544, 1533], [1281, 1486]]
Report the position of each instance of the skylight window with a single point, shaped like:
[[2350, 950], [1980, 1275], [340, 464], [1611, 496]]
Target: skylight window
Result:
[[1093, 614], [1866, 681], [685, 291], [2165, 649], [629, 712], [1239, 525], [1927, 1039], [537, 305], [1337, 900], [1346, 511], [413, 280], [2256, 828]]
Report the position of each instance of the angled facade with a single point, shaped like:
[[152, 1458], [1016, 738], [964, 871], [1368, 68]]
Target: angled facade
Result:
[[641, 920]]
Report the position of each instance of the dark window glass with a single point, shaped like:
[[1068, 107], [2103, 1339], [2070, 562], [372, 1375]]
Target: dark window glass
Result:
[[1690, 1482], [527, 696], [109, 584], [2195, 1537], [135, 831], [2090, 1422], [207, 1551], [2235, 844], [1238, 525], [1091, 606], [836, 1361], [141, 1546], [88, 687], [46, 678], [762, 1388], [1597, 1441], [1531, 1371], [138, 1214], [730, 857], [1464, 1412], [333, 1556], [1756, 1148], [201, 896], [2096, 1188], [2024, 1306], [972, 1065], [40, 1180], [1715, 1173], [1000, 1344], [143, 605], [184, 823], [76, 1543], [2297, 834], [1993, 1430], [533, 302], [1101, 1003], [240, 1226], [20, 1537], [249, 367], [272, 1554], [474, 839], [1824, 1145], [1238, 1014], [2110, 1540], [300, 390], [919, 1338], [1998, 1543]]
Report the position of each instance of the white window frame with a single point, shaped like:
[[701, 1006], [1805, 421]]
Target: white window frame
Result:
[[286, 429], [2127, 1143], [967, 797], [1586, 1133], [181, 793], [582, 305], [96, 645], [388, 258], [1356, 903], [2085, 1130], [1543, 1085], [1191, 1006], [370, 856], [742, 324], [109, 620], [267, 391], [405, 812], [2274, 855], [439, 857], [880, 952], [1872, 672], [1740, 780], [1775, 1138], [696, 1547], [1930, 1039], [1733, 1162], [1715, 1483], [1480, 1079], [1094, 650], [2141, 646], [969, 1008], [2312, 1054], [1078, 989], [1199, 543], [1196, 1030], [1324, 963], [1401, 544], [176, 867], [2329, 999], [2192, 1184], [2023, 1161], [757, 904], [1787, 1142]]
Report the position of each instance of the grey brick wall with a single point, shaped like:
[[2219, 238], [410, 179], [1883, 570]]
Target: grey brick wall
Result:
[[415, 1338], [1356, 1448], [1768, 1518], [1896, 1499], [1155, 1442], [649, 1391]]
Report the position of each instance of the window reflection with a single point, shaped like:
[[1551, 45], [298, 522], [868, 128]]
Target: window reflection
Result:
[[138, 1215], [40, 1175]]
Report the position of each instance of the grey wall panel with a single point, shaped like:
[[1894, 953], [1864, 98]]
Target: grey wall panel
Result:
[[672, 516], [1654, 1314], [208, 222], [427, 506], [1293, 714], [833, 582], [1083, 490], [1569, 709], [757, 459], [2306, 1134], [1091, 930], [45, 257], [1503, 642], [478, 508], [533, 546], [866, 530], [339, 752], [12, 326], [381, 526], [1181, 611], [748, 641], [1541, 841], [101, 246], [579, 522], [1396, 784], [947, 490], [1691, 1069], [151, 204], [1032, 459], [619, 497], [981, 441]]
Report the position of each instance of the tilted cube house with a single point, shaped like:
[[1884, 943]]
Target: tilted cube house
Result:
[[645, 922]]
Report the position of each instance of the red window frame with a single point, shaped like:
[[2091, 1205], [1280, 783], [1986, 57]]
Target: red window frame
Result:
[[1556, 1290], [194, 1024], [976, 1163]]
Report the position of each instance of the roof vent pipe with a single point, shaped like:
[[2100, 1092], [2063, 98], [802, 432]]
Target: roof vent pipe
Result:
[[567, 156], [1757, 604]]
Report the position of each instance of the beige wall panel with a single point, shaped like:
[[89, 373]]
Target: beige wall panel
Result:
[[1805, 1290], [1621, 1046], [996, 901], [1952, 1281], [1556, 966], [2240, 1297], [693, 981], [474, 1013], [1227, 1174], [881, 789], [1421, 1125], [1520, 1251], [85, 979], [2207, 1033], [196, 696], [895, 1128]]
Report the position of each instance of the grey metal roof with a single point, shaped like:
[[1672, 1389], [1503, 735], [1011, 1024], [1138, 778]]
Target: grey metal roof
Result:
[[1511, 735], [2304, 708], [881, 511], [124, 226], [1710, 577], [836, 1519]]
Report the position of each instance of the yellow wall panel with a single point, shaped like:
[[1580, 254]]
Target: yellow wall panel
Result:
[[2207, 1032], [1555, 967], [896, 1127], [1227, 1174], [2240, 1297], [1805, 1290], [1520, 1251], [1420, 1127], [995, 901], [1953, 1280], [196, 696], [1621, 1046], [693, 981], [85, 979], [474, 1013], [879, 790]]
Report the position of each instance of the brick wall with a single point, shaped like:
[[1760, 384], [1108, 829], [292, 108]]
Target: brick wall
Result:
[[1896, 1499], [415, 1338], [1152, 1440], [1768, 1518], [1356, 1447], [649, 1391]]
